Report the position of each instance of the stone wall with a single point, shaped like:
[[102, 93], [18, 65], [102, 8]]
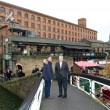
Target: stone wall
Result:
[[28, 62], [22, 86]]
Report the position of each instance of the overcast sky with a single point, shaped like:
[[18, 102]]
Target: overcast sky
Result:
[[97, 12]]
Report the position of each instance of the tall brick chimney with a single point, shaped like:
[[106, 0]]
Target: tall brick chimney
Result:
[[82, 22]]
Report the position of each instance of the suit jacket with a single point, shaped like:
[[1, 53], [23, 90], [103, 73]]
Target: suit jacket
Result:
[[61, 72]]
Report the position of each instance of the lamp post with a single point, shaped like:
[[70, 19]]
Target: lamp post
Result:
[[106, 56]]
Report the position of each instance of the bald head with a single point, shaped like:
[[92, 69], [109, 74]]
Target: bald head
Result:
[[61, 58]]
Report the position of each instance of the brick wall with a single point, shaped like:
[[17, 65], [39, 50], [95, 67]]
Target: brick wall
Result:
[[28, 63]]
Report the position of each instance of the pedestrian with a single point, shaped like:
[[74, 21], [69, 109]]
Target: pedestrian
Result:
[[35, 70], [48, 75], [8, 73], [62, 72], [20, 73]]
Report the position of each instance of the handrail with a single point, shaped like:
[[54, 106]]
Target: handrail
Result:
[[96, 78], [29, 98], [91, 87]]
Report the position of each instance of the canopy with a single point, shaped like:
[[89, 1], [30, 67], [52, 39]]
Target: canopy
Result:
[[85, 64]]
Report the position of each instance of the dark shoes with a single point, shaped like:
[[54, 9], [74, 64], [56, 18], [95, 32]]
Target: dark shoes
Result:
[[60, 96], [64, 96]]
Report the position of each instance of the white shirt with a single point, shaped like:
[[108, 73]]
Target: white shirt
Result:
[[60, 64]]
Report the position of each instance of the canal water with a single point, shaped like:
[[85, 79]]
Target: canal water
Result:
[[9, 101]]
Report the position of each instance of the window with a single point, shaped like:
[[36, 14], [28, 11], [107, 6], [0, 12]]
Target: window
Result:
[[62, 25], [58, 37], [44, 35], [26, 15], [38, 26], [49, 22], [69, 33], [62, 31], [53, 36], [49, 35], [11, 11], [19, 21], [32, 17], [44, 27], [53, 29], [73, 27], [19, 13], [58, 30], [65, 37], [65, 31], [32, 25], [39, 34], [44, 20], [2, 9], [75, 39], [49, 28], [66, 26], [25, 24], [2, 18], [58, 24], [54, 23], [61, 37], [9, 48], [38, 19]]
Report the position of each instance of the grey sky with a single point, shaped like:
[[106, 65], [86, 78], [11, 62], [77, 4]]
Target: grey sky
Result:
[[95, 11]]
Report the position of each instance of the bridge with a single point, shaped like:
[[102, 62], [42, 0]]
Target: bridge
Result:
[[83, 94]]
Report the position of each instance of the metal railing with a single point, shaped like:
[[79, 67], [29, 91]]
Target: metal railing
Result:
[[33, 99], [93, 86]]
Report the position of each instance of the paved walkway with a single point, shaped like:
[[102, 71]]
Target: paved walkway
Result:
[[76, 100]]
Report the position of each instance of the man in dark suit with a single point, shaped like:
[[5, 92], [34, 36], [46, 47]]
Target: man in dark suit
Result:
[[62, 71]]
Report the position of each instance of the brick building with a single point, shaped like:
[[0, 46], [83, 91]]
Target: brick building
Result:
[[47, 26]]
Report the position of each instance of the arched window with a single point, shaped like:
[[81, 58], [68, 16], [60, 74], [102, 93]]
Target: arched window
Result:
[[26, 15], [38, 19], [2, 18], [44, 20], [11, 11], [32, 17], [19, 13], [2, 9]]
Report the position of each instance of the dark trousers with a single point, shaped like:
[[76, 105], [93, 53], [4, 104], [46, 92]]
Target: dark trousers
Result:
[[47, 88], [62, 83]]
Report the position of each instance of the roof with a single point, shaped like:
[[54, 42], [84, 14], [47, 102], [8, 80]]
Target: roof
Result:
[[47, 41], [93, 41], [85, 64], [78, 47]]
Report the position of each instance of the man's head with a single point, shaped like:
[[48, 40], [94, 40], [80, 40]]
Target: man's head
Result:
[[49, 58], [61, 58], [35, 66]]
